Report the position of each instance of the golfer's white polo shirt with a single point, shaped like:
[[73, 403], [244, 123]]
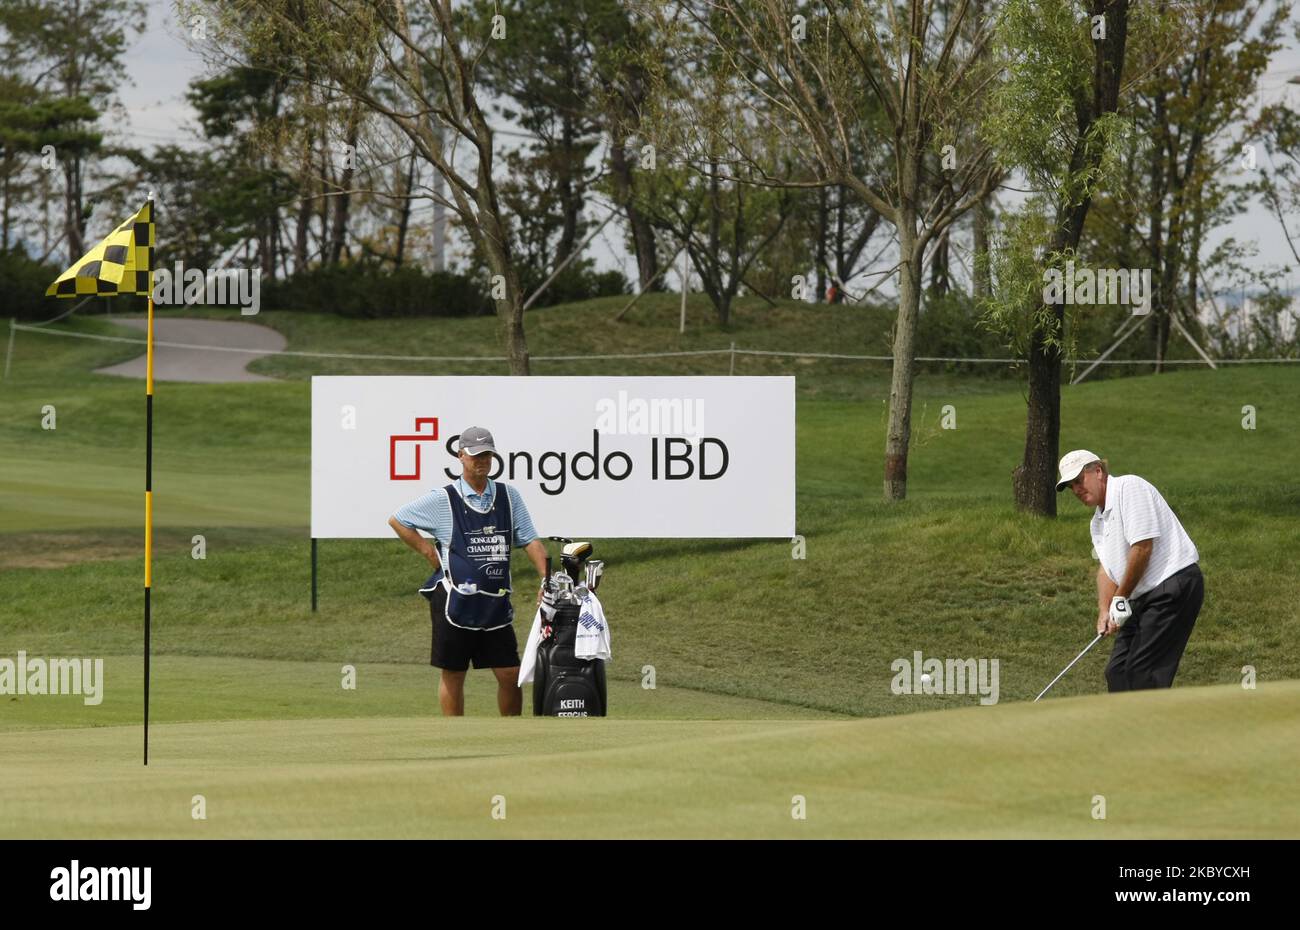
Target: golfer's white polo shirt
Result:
[[1134, 511]]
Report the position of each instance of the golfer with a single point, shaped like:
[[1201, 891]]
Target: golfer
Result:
[[474, 521], [1148, 570]]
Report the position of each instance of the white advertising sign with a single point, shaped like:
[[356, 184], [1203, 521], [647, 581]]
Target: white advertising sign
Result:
[[592, 457]]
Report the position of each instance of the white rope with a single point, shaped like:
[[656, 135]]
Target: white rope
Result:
[[870, 358], [578, 358], [71, 310], [390, 358]]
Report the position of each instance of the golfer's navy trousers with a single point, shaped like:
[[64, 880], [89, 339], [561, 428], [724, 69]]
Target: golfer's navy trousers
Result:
[[1149, 647]]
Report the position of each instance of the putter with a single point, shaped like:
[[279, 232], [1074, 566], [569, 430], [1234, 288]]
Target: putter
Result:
[[1070, 666]]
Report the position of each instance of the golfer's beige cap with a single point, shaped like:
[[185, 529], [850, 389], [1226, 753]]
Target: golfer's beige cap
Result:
[[1073, 463]]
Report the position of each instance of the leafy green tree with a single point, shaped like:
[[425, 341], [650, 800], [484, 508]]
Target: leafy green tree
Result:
[[1055, 119], [29, 122], [211, 204], [625, 48], [72, 50], [541, 74], [244, 115]]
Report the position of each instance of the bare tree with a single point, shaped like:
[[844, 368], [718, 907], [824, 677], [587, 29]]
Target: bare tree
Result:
[[899, 80], [424, 84]]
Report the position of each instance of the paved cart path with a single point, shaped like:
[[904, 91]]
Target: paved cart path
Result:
[[203, 364]]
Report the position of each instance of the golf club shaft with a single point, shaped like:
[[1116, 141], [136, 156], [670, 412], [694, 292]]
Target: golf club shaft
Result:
[[1068, 667]]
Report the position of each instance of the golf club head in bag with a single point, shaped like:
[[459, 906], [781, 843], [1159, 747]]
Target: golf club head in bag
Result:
[[573, 559], [563, 589]]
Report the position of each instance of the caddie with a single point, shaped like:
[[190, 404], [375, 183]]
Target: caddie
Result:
[[474, 521], [1149, 585]]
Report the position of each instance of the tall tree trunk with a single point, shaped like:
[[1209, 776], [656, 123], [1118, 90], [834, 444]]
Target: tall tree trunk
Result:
[[643, 237], [822, 233], [495, 242], [983, 279], [1193, 318], [46, 200], [439, 215], [343, 199], [1034, 480], [509, 306], [715, 223], [323, 206], [306, 187], [570, 194], [269, 255], [939, 266], [647, 251], [900, 387], [841, 246], [281, 253], [404, 214], [74, 224], [1169, 288], [1156, 214], [4, 236]]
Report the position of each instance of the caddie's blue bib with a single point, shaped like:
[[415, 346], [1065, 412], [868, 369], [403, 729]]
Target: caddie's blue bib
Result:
[[477, 565]]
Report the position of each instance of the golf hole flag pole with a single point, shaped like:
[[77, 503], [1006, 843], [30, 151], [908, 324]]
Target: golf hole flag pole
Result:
[[122, 263]]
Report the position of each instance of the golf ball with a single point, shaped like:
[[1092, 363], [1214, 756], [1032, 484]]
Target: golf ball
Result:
[[925, 679]]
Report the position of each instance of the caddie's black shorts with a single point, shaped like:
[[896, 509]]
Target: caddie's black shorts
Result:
[[455, 647], [1149, 647]]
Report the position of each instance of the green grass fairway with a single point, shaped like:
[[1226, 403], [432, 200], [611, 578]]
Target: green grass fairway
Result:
[[1189, 763], [188, 690], [766, 653]]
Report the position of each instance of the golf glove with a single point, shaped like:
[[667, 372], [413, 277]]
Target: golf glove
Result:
[[1120, 610]]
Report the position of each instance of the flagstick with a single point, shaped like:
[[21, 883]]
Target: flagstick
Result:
[[148, 492]]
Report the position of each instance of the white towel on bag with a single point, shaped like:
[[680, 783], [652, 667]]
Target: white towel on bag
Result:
[[529, 661], [591, 642]]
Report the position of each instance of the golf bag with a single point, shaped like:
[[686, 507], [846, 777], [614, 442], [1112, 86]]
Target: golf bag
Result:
[[564, 685]]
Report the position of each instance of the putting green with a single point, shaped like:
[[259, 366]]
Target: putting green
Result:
[[1186, 763]]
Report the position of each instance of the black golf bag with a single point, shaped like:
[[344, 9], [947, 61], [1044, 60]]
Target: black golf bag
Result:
[[563, 685]]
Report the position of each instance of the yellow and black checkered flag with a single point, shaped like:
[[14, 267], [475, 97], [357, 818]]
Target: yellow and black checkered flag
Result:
[[118, 265]]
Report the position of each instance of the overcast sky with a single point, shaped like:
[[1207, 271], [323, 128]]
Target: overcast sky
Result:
[[161, 66]]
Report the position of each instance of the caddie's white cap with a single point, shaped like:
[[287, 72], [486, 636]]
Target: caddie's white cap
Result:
[[1073, 463]]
